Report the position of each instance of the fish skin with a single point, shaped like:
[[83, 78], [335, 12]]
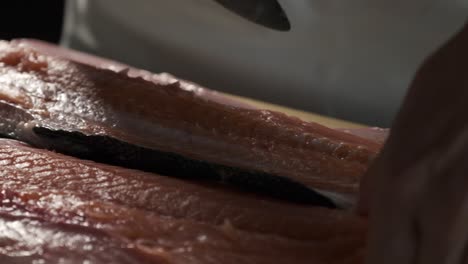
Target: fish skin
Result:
[[167, 163], [66, 96], [25, 167]]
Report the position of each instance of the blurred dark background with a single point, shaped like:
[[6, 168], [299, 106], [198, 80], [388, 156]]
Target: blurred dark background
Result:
[[32, 19]]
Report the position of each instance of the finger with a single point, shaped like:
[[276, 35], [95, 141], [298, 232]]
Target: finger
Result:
[[394, 235], [392, 239], [444, 216], [444, 228]]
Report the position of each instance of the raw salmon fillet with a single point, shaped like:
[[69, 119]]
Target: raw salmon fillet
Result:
[[103, 63], [59, 208], [167, 128], [36, 169]]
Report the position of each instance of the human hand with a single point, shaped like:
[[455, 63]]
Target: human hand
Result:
[[416, 192]]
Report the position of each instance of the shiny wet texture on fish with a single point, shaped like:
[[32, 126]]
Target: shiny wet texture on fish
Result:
[[59, 208], [30, 168], [155, 238], [77, 209], [67, 97]]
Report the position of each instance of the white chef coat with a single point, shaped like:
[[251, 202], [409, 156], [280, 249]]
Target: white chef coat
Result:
[[351, 59]]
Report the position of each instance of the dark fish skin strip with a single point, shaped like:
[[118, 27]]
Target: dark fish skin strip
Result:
[[62, 95], [108, 150], [28, 168], [112, 151], [167, 240], [115, 152]]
